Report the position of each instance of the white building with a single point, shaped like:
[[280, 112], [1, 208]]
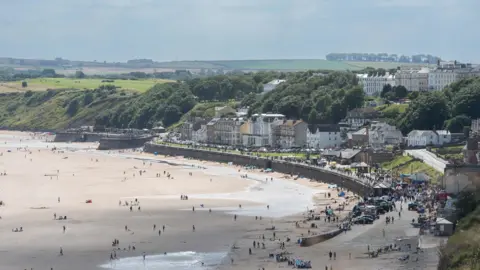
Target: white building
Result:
[[200, 135], [423, 138], [272, 85], [413, 79], [257, 131], [323, 136], [381, 134], [438, 79], [374, 84]]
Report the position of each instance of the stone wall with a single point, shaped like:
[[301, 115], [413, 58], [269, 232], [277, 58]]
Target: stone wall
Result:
[[312, 240], [305, 170], [110, 143], [77, 137]]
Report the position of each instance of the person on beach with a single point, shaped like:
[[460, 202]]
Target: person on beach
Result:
[[126, 228], [235, 217], [64, 229], [330, 254], [159, 232], [54, 215], [144, 256], [61, 251], [163, 228], [154, 227]]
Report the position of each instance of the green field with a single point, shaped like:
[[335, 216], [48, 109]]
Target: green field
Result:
[[41, 84], [267, 64], [285, 64]]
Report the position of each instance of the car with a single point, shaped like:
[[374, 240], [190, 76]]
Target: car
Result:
[[372, 217], [363, 220]]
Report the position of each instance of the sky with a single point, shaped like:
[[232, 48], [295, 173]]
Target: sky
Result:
[[167, 30]]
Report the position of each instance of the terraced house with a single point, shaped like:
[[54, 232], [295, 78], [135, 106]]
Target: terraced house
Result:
[[224, 131], [289, 134], [374, 84]]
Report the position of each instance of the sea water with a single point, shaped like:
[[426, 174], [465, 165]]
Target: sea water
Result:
[[187, 260]]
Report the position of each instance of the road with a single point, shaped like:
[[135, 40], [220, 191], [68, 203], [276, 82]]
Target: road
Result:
[[429, 158]]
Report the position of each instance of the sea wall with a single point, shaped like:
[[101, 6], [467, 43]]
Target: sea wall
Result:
[[305, 170], [110, 143], [312, 240], [77, 137]]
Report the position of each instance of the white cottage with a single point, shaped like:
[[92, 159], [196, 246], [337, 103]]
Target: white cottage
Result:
[[323, 136], [422, 138]]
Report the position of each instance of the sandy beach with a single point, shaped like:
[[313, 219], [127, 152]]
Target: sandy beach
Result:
[[40, 182]]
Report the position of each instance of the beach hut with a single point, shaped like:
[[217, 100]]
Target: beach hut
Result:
[[360, 167], [443, 227]]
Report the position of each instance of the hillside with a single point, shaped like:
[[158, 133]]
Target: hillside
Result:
[[54, 109], [305, 95]]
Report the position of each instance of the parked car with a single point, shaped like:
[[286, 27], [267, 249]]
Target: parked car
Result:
[[363, 220]]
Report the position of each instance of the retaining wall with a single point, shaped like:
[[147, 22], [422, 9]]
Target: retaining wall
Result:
[[310, 241], [107, 143], [308, 171], [77, 137]]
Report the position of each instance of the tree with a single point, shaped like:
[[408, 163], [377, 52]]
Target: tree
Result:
[[457, 123], [428, 111], [49, 72], [354, 98], [88, 98], [72, 107], [413, 95], [171, 115], [400, 91], [467, 101], [313, 116], [79, 74], [24, 84], [249, 100]]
